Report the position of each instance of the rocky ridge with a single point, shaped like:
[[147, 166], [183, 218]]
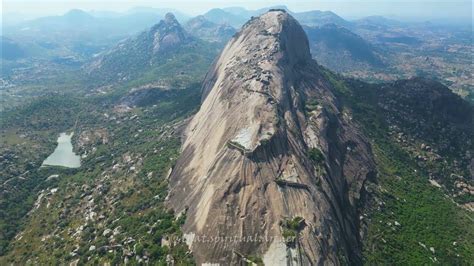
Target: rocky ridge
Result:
[[135, 56], [271, 154]]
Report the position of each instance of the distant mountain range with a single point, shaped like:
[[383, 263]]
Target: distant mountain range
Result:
[[368, 48], [148, 54], [237, 16], [81, 33], [340, 49], [202, 28]]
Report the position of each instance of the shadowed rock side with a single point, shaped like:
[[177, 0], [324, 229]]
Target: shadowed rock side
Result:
[[248, 165]]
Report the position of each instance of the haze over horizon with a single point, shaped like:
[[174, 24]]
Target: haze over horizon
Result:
[[419, 10]]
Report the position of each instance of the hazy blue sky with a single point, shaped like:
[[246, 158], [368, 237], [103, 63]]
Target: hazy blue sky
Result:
[[421, 9]]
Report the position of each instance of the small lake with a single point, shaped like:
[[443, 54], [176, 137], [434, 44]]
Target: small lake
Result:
[[63, 154]]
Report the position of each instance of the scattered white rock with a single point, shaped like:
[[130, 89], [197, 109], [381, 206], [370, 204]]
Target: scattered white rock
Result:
[[106, 232], [165, 242], [434, 183], [90, 216], [51, 177], [117, 230], [189, 238]]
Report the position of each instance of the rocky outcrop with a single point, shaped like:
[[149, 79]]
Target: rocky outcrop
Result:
[[137, 55], [168, 34], [269, 146]]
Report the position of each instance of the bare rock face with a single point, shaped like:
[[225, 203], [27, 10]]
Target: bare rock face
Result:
[[168, 34], [270, 147]]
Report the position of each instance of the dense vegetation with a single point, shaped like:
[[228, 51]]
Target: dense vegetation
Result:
[[105, 135], [28, 136], [126, 134], [404, 225], [342, 50]]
